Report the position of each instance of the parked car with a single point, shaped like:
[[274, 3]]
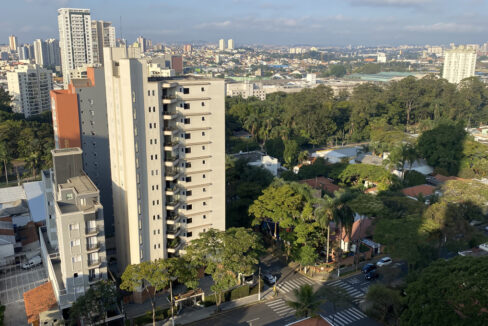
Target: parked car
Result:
[[371, 275], [368, 268], [34, 261], [269, 278], [384, 261], [249, 279]]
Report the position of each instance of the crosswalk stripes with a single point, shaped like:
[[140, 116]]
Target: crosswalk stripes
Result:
[[346, 317], [289, 285], [280, 307], [356, 295]]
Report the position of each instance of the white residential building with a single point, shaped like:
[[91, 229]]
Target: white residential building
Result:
[[75, 39], [30, 86], [221, 44], [167, 152], [230, 44], [40, 52], [13, 42], [103, 35], [381, 57], [245, 90], [459, 63]]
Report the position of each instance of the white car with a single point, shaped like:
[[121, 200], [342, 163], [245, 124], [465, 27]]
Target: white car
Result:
[[32, 262], [384, 261]]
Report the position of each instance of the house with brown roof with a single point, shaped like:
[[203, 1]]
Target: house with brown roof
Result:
[[322, 183], [424, 190], [39, 300]]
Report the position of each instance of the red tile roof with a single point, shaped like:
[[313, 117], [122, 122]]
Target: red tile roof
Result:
[[442, 178], [37, 300], [425, 190], [322, 183]]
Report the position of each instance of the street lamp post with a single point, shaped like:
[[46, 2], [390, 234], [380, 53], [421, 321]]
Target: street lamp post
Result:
[[259, 284]]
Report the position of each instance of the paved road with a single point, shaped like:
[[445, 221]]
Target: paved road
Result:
[[276, 312]]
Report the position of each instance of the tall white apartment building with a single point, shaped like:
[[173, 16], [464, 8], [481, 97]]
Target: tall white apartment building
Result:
[[167, 153], [75, 39], [459, 63], [30, 86], [13, 42], [221, 44], [142, 43], [230, 44], [40, 52], [103, 35]]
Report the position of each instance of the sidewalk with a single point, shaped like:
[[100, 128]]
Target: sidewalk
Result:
[[207, 312]]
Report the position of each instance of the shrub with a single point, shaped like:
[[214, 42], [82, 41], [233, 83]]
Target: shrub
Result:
[[239, 292], [413, 178], [254, 290]]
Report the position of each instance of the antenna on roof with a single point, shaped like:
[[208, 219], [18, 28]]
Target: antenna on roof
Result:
[[120, 26]]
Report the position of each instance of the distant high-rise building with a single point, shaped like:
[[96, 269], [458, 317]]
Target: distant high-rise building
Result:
[[73, 242], [230, 44], [221, 44], [30, 86], [381, 57], [75, 39], [12, 42], [80, 120], [103, 35], [187, 48], [142, 43], [40, 52], [459, 63], [167, 153], [23, 52], [53, 53]]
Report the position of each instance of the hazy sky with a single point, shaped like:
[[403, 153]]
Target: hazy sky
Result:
[[286, 22]]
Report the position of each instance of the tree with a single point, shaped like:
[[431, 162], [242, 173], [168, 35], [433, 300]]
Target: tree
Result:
[[147, 276], [337, 70], [278, 203], [93, 306], [307, 301], [384, 304], [307, 256], [324, 214], [449, 292], [5, 158], [291, 152]]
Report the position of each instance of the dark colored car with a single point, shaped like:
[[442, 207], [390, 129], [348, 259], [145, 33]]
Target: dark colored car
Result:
[[371, 275], [368, 268]]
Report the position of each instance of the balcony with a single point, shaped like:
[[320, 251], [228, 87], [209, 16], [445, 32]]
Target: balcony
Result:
[[95, 262], [173, 189], [172, 218], [172, 232], [173, 204], [92, 230], [170, 130], [171, 144], [171, 174], [174, 245], [170, 115], [92, 246], [169, 98], [95, 278]]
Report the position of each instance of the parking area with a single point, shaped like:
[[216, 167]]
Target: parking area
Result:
[[14, 281]]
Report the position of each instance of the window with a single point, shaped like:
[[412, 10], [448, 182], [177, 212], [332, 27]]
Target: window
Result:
[[186, 90], [188, 234], [75, 275], [159, 245], [69, 196], [204, 203], [74, 227], [159, 217], [203, 162], [148, 93], [203, 118], [154, 246], [203, 147], [189, 207], [188, 193], [188, 179], [156, 156], [203, 89], [154, 217], [203, 176], [186, 106], [187, 136], [188, 165], [203, 103], [204, 230], [149, 109], [153, 93], [76, 259], [188, 150], [75, 243], [189, 220], [154, 232], [204, 190], [150, 141], [203, 133], [204, 216], [187, 121]]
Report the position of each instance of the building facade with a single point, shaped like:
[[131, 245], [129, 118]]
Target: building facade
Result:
[[74, 255], [75, 39], [221, 44], [167, 150], [103, 35], [230, 44], [13, 42], [459, 63], [30, 86], [80, 120], [246, 90]]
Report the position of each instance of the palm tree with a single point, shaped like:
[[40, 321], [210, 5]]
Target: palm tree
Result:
[[307, 301], [324, 214]]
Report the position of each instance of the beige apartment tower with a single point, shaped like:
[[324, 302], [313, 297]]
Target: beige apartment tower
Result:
[[167, 149], [459, 63]]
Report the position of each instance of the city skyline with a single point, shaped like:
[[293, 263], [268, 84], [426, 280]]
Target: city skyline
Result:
[[334, 23]]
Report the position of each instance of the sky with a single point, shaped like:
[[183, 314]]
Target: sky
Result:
[[273, 22]]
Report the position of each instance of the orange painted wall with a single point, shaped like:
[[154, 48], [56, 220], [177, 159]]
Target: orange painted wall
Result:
[[65, 118]]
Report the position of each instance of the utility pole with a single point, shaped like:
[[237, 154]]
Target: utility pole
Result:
[[172, 305], [259, 284]]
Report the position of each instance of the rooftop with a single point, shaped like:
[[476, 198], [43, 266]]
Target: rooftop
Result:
[[82, 185], [322, 183], [425, 190], [38, 300]]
